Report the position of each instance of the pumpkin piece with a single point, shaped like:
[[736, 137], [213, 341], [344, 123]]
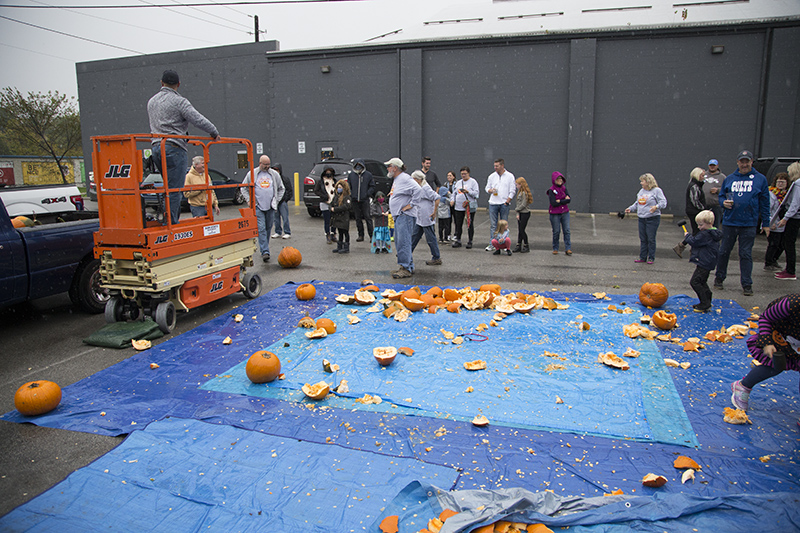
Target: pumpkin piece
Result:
[[384, 354], [630, 352], [664, 320], [328, 367], [538, 528], [478, 364], [367, 282], [435, 291], [327, 324], [140, 345], [307, 322], [585, 326], [428, 299], [690, 346], [363, 297], [523, 307], [687, 475], [405, 350], [685, 365], [391, 294], [645, 319], [306, 291], [653, 295], [290, 257], [613, 360], [683, 461], [672, 362], [480, 421], [491, 287], [37, 397], [617, 492], [345, 299], [153, 366], [549, 304], [353, 319], [504, 308], [412, 304], [390, 524], [435, 525], [373, 288], [654, 481], [449, 335], [447, 513], [227, 340], [439, 301], [451, 295], [318, 333], [262, 367], [454, 307], [736, 416], [238, 318], [484, 529], [317, 391], [600, 296], [402, 315]]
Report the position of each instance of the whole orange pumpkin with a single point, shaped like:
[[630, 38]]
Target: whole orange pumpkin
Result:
[[653, 294], [306, 291], [289, 257], [664, 320], [37, 397], [263, 367]]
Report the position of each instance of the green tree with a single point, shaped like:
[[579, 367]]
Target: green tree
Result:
[[40, 124]]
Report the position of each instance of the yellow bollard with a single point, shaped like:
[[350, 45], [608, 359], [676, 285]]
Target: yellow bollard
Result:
[[296, 188]]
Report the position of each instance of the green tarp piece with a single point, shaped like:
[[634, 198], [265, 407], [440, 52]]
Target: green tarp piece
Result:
[[120, 334]]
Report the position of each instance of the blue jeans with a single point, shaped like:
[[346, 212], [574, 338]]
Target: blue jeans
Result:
[[746, 236], [198, 210], [430, 236], [177, 165], [283, 213], [496, 212], [648, 227], [403, 231], [559, 222], [264, 219]]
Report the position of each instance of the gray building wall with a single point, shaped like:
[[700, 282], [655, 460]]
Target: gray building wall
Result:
[[229, 85], [603, 107]]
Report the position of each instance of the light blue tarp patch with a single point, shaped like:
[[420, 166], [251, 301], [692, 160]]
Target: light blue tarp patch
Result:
[[186, 475], [533, 361]]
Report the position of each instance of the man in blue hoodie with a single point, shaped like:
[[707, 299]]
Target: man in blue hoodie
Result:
[[744, 196]]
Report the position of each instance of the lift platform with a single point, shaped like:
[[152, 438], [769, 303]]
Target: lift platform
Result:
[[151, 266]]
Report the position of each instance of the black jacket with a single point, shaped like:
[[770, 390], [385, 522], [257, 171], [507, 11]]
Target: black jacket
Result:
[[705, 247], [362, 186], [340, 213]]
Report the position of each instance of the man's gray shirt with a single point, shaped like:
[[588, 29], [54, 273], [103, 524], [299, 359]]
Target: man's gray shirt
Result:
[[170, 114]]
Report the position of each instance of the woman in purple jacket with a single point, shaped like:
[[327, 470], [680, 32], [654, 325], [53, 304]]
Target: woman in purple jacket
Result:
[[559, 211]]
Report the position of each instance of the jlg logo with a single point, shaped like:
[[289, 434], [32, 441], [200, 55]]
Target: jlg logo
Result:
[[161, 239], [218, 286], [118, 171]]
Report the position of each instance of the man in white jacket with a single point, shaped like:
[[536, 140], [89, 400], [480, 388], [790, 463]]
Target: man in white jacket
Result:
[[268, 191], [501, 186]]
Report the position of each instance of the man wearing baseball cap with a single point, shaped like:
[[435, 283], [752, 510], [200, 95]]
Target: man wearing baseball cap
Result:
[[744, 196], [711, 185], [170, 114], [403, 200]]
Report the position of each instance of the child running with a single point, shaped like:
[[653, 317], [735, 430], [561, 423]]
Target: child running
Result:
[[705, 247], [501, 239], [340, 216], [379, 211]]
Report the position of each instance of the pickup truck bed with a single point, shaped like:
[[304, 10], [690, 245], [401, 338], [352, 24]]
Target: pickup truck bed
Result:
[[50, 259], [41, 200]]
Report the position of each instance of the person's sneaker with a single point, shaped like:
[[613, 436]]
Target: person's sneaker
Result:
[[518, 248], [508, 252], [718, 286], [360, 238], [456, 244], [774, 267], [639, 260], [384, 251], [741, 395], [568, 252], [651, 261], [526, 249], [496, 252], [434, 262], [785, 275], [747, 291], [469, 245], [265, 257], [700, 308], [489, 248], [402, 273], [555, 252], [287, 235], [276, 235]]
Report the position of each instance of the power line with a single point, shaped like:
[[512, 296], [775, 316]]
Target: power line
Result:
[[221, 4], [35, 52], [215, 16], [171, 9], [70, 35], [126, 24]]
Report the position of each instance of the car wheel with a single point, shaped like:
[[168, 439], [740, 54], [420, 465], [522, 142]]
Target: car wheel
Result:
[[314, 211], [86, 291]]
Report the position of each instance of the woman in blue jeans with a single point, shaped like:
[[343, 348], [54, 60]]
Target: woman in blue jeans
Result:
[[650, 200]]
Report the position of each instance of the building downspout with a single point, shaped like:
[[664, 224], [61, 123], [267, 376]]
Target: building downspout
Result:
[[762, 93]]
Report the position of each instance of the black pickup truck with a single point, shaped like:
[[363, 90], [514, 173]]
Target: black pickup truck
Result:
[[49, 259]]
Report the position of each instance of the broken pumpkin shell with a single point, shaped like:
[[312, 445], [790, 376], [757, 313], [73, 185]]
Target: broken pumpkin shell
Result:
[[478, 364], [345, 299], [664, 320], [613, 360], [405, 350], [480, 421], [683, 461], [654, 481], [317, 391], [384, 354], [364, 297], [318, 333], [140, 345], [307, 322]]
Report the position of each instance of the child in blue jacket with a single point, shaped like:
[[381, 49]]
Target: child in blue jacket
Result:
[[705, 247]]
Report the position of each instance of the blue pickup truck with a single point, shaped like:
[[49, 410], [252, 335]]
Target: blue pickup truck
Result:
[[50, 259]]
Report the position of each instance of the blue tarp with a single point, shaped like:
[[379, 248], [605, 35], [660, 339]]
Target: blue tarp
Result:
[[186, 475], [755, 460]]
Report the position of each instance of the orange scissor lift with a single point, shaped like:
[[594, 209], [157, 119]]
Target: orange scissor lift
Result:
[[150, 266]]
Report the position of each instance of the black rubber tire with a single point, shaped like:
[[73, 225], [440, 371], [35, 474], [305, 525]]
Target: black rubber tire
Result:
[[238, 197], [166, 316], [113, 310], [85, 291], [313, 211], [252, 285]]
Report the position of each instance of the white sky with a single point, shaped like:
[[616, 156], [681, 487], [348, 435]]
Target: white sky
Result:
[[41, 60]]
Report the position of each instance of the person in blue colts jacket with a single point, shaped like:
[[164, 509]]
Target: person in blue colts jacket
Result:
[[744, 197]]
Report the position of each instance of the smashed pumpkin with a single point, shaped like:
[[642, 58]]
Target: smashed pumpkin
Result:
[[318, 391], [664, 320], [654, 481], [327, 324], [384, 354]]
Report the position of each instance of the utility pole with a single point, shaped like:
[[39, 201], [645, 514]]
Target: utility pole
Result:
[[256, 22]]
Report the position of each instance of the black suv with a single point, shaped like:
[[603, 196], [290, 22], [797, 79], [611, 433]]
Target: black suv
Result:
[[341, 167]]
